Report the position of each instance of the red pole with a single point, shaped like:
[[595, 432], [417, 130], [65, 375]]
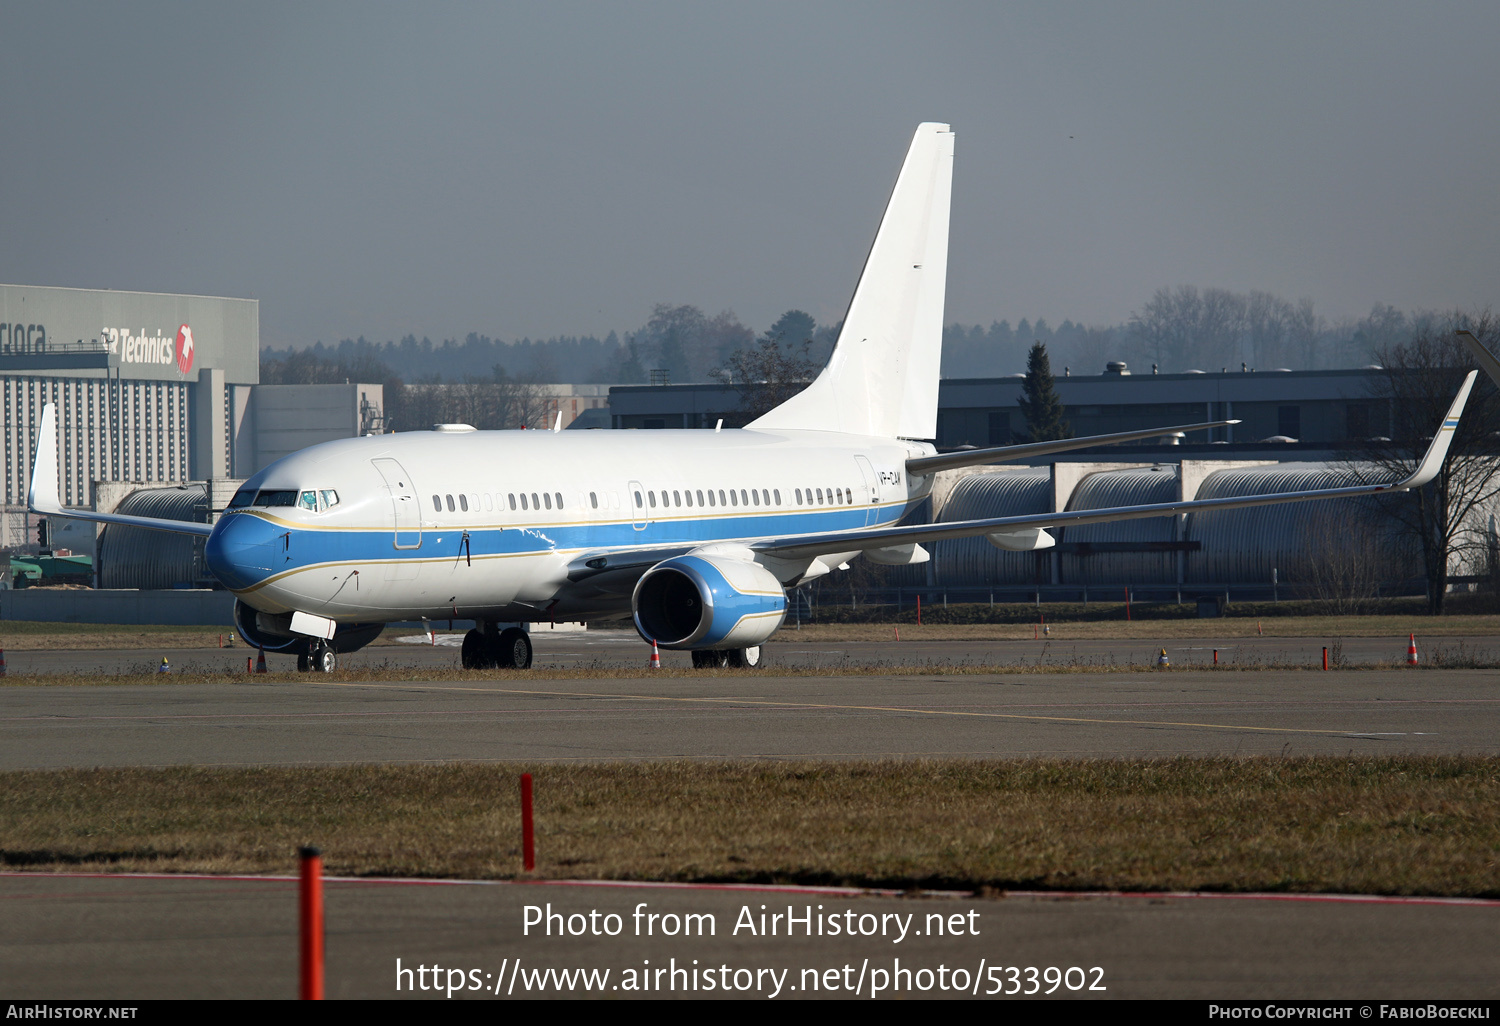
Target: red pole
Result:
[[311, 895], [1127, 603], [1216, 657], [919, 610], [1325, 657], [528, 837]]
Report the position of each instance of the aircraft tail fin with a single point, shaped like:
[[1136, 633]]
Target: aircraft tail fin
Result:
[[882, 378]]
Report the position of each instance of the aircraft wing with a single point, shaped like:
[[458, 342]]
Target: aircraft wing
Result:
[[41, 496], [812, 545], [919, 465]]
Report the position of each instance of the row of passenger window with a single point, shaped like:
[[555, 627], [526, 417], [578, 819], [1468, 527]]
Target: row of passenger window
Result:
[[683, 497], [744, 497], [492, 501]]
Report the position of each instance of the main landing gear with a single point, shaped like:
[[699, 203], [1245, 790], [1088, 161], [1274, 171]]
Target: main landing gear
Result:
[[708, 659], [493, 649], [319, 658]]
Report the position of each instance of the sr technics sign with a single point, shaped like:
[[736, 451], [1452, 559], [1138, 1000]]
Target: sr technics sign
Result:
[[157, 348]]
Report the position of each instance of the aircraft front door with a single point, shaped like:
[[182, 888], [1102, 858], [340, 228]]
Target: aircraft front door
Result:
[[406, 516]]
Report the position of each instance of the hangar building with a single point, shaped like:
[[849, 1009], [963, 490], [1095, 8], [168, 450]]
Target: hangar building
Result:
[[151, 389]]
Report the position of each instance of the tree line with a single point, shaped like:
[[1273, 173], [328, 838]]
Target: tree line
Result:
[[1176, 329]]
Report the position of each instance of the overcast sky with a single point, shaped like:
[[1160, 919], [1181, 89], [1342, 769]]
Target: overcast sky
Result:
[[556, 168]]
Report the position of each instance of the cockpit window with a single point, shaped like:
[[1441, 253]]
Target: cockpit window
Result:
[[327, 498], [308, 500], [242, 498], [276, 497]]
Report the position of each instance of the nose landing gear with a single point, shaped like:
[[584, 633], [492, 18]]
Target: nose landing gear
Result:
[[319, 658], [746, 658]]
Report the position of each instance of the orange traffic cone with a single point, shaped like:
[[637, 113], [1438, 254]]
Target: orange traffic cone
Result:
[[655, 663], [260, 662], [1411, 651]]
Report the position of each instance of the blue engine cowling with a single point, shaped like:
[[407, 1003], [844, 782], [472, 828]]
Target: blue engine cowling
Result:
[[273, 633], [700, 602]]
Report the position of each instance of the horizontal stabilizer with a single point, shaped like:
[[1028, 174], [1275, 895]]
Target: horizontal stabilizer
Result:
[[1482, 356]]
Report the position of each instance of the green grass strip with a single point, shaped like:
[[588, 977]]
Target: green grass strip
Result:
[[1396, 826]]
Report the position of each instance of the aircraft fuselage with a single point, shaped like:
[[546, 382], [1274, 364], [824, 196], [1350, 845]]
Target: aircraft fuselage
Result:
[[491, 524]]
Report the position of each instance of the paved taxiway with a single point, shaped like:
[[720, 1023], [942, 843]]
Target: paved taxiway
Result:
[[619, 648], [127, 938], [296, 719]]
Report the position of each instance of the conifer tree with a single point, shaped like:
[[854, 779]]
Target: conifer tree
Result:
[[1040, 405]]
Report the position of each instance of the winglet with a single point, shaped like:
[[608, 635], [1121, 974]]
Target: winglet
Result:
[[1482, 356], [41, 495], [1438, 450]]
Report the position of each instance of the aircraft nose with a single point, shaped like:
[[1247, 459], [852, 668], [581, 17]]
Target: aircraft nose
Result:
[[242, 550]]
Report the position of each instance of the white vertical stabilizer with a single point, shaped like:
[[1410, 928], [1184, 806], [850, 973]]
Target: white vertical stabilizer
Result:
[[882, 378]]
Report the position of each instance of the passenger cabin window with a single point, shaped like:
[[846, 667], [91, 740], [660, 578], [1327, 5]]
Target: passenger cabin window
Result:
[[638, 502], [652, 497], [593, 500], [547, 498], [700, 496], [437, 503], [536, 503], [463, 502], [778, 496], [559, 499], [523, 501], [512, 500], [449, 499]]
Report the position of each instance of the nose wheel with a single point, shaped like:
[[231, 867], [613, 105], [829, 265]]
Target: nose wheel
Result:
[[319, 658], [745, 658]]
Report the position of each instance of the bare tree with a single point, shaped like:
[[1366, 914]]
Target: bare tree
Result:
[[772, 370], [490, 405], [1421, 376], [1350, 557]]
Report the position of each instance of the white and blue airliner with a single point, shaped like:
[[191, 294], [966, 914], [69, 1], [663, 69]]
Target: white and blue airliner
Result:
[[695, 534]]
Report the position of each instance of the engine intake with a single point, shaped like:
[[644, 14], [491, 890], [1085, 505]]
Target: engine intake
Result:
[[700, 602]]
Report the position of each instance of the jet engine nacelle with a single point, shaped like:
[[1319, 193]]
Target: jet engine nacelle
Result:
[[273, 632], [701, 602]]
